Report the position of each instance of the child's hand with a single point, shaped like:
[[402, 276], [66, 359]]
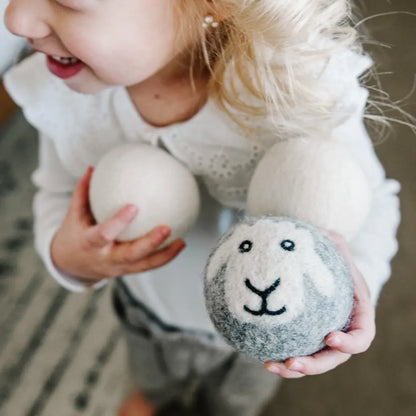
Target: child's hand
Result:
[[341, 346], [88, 251]]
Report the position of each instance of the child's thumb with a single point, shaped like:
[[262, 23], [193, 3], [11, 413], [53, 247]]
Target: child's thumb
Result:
[[80, 205]]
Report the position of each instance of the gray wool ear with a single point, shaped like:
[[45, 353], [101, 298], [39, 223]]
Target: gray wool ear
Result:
[[219, 256], [314, 267]]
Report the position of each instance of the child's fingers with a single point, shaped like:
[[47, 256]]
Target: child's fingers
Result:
[[281, 370], [361, 332], [319, 363], [102, 234], [134, 251], [156, 260], [353, 342], [80, 200]]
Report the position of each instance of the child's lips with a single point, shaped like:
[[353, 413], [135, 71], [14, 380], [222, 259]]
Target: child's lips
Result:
[[64, 69]]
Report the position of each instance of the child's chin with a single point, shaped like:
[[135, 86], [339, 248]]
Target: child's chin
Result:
[[85, 86]]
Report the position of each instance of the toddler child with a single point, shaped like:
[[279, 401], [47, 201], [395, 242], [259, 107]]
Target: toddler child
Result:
[[215, 83]]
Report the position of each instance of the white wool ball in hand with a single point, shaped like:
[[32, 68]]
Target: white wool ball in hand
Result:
[[316, 181], [164, 190]]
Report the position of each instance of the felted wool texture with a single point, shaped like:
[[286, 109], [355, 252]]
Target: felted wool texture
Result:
[[314, 180], [165, 192], [313, 293]]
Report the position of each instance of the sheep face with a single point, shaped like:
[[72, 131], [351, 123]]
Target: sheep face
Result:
[[271, 278], [265, 266]]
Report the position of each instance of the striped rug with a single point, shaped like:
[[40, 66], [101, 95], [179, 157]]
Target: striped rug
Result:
[[60, 353]]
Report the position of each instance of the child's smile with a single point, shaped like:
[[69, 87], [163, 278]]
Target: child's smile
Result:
[[64, 67]]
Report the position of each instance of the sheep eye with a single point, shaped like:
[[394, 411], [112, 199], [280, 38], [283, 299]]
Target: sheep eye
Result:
[[287, 245], [245, 246]]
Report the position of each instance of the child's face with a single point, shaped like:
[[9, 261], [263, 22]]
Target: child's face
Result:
[[120, 42]]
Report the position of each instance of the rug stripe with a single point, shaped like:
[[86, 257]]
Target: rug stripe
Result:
[[26, 326], [54, 345], [18, 309], [14, 286], [114, 386], [56, 375], [90, 352], [11, 376], [82, 400]]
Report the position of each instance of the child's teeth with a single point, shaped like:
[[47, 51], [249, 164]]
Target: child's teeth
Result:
[[65, 61]]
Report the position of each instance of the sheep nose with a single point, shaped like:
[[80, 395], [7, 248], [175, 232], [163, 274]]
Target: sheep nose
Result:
[[263, 293]]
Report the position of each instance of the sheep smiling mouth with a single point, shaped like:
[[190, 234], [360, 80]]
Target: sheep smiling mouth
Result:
[[264, 294]]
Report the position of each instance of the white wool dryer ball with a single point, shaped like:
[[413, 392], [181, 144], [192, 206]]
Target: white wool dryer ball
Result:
[[316, 181], [164, 190]]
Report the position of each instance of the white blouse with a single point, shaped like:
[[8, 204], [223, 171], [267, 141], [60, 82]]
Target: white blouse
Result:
[[76, 130]]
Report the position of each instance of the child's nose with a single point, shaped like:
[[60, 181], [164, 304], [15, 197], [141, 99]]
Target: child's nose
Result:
[[26, 18]]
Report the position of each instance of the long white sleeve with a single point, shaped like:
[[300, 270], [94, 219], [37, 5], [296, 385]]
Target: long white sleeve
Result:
[[376, 244], [50, 204]]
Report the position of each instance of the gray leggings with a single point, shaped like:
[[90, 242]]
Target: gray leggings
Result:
[[169, 363]]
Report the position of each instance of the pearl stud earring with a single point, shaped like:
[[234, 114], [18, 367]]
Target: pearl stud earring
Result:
[[209, 22]]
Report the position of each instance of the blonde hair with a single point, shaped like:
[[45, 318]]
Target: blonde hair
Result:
[[265, 58]]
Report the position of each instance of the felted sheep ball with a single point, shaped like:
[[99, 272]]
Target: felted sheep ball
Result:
[[317, 181], [275, 287], [164, 190]]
